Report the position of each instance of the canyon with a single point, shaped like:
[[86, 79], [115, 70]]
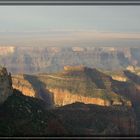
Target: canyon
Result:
[[42, 59], [72, 113]]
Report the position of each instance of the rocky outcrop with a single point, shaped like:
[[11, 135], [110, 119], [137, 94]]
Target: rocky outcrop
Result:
[[29, 85], [119, 78], [23, 85], [5, 84]]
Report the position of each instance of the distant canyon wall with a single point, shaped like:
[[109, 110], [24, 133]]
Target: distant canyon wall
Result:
[[6, 50], [53, 59]]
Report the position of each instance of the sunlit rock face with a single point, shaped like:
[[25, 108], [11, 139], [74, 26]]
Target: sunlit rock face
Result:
[[23, 85], [5, 84], [64, 97], [30, 86], [119, 78]]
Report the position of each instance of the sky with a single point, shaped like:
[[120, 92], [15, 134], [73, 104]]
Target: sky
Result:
[[120, 19]]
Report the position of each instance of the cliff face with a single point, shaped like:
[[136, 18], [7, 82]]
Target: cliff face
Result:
[[30, 86], [5, 84], [64, 97], [23, 85]]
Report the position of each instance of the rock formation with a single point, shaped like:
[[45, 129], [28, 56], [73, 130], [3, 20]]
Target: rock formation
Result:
[[5, 84], [74, 84], [29, 85], [23, 85], [64, 97]]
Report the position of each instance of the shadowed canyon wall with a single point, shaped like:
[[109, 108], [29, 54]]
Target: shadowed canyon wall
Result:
[[5, 84]]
